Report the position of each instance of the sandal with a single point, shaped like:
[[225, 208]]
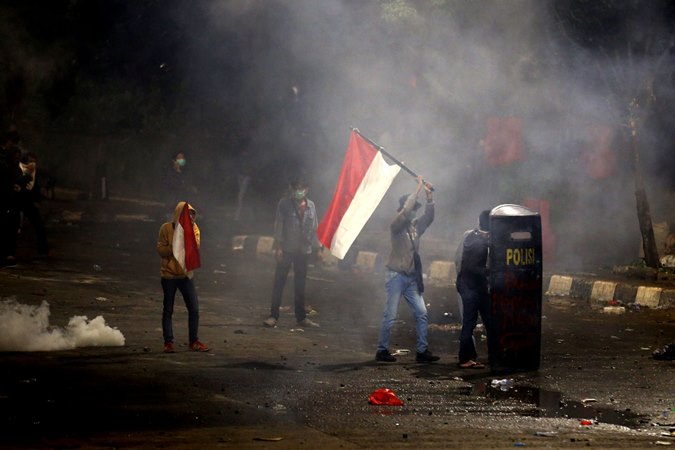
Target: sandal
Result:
[[471, 365]]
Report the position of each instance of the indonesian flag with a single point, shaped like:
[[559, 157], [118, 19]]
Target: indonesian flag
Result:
[[364, 179], [184, 244]]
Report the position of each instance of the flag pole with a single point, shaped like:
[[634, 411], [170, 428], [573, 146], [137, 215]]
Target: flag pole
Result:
[[387, 154]]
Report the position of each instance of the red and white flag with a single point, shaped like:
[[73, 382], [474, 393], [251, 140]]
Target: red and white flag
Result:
[[364, 179], [185, 248]]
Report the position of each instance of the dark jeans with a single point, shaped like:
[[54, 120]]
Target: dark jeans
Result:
[[299, 262], [187, 288], [31, 212], [475, 299], [5, 233], [12, 222]]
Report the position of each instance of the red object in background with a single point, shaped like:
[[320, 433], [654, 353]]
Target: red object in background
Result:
[[548, 241], [503, 143], [384, 396], [598, 157]]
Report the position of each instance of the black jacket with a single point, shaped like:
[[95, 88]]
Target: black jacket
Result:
[[473, 270]]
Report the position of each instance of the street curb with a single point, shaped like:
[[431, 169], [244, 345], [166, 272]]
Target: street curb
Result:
[[598, 293], [601, 293]]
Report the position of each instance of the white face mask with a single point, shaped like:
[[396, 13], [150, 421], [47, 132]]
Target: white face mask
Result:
[[299, 194]]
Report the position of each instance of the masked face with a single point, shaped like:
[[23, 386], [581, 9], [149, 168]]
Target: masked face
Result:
[[411, 215], [180, 162], [299, 194]]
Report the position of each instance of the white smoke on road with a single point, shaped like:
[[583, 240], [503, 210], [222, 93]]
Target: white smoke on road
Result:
[[27, 328]]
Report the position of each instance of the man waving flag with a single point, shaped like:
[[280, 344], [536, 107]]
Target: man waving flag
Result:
[[364, 179]]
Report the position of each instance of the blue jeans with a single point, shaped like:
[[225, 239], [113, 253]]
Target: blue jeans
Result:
[[299, 261], [397, 285], [475, 299], [187, 288]]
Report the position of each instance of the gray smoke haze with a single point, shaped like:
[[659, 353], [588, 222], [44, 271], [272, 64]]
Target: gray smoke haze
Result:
[[274, 85], [423, 86], [26, 328]]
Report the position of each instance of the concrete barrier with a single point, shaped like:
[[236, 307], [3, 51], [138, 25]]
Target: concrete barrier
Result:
[[239, 242], [559, 285], [329, 260], [602, 292], [265, 245], [648, 296], [442, 271], [366, 260]]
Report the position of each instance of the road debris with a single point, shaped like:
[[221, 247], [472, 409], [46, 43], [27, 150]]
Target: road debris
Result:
[[504, 384], [384, 396], [666, 353], [546, 433]]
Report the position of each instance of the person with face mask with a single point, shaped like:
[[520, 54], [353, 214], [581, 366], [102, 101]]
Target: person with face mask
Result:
[[295, 241], [403, 276], [175, 184]]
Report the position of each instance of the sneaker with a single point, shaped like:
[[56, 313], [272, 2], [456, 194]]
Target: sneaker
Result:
[[197, 346], [384, 355], [168, 347], [270, 322], [308, 323], [426, 356]]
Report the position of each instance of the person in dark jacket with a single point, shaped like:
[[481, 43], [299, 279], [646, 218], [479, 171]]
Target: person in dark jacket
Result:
[[472, 285], [294, 242], [29, 196], [175, 184], [404, 273], [13, 181]]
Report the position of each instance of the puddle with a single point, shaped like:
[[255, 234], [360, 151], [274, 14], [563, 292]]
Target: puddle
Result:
[[550, 404]]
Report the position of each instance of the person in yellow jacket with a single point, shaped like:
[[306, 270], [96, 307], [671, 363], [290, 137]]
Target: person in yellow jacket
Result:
[[175, 278]]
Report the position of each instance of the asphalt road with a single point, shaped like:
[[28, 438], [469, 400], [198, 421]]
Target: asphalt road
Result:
[[289, 387]]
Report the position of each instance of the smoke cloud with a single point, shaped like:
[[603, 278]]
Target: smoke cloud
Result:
[[269, 89], [26, 328]]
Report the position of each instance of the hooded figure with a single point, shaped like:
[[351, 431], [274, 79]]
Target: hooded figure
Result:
[[472, 286], [170, 267], [175, 278]]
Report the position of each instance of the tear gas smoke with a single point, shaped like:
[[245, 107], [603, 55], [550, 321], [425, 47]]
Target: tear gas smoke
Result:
[[27, 328]]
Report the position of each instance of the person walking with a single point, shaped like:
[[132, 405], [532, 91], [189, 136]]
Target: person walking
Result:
[[472, 285], [174, 277], [403, 276], [295, 241]]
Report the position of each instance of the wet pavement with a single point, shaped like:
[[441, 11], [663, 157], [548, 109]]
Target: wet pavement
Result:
[[290, 387]]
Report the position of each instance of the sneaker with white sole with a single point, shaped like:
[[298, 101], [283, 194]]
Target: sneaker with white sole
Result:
[[270, 322], [307, 323]]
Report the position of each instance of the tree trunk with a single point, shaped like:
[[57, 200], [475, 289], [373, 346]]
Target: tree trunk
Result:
[[643, 212]]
